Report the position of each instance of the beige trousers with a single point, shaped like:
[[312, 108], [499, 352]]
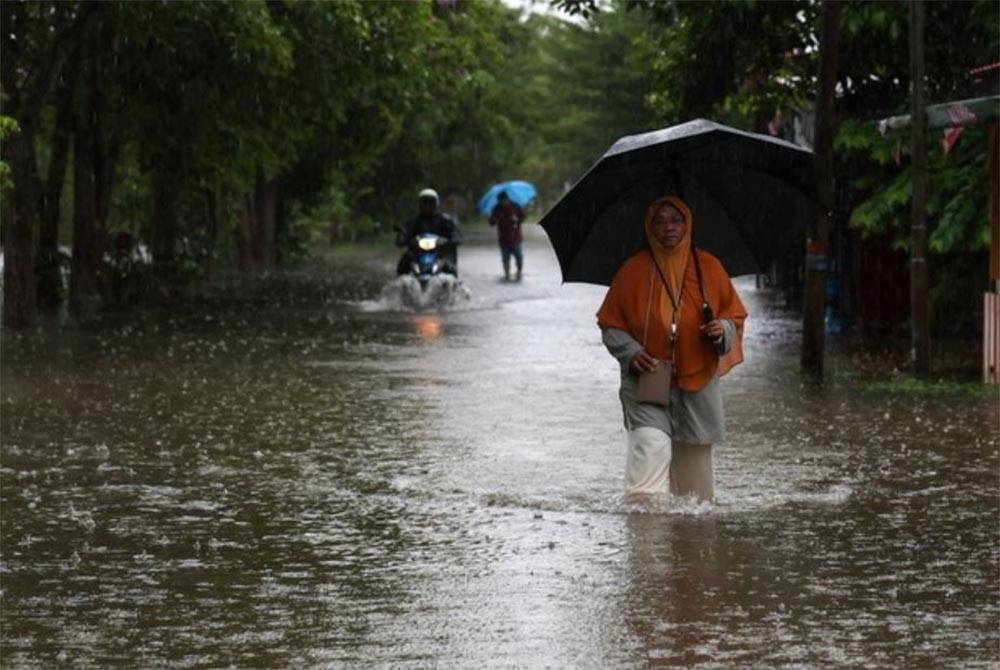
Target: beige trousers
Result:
[[654, 462]]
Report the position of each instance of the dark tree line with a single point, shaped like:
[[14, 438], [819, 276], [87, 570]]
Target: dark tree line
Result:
[[240, 132], [201, 128]]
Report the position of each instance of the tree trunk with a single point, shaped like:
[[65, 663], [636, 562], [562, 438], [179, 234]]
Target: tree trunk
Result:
[[88, 238], [24, 101], [266, 197], [93, 172], [48, 262], [919, 290], [256, 232], [817, 247], [245, 234], [212, 218], [19, 309], [166, 194]]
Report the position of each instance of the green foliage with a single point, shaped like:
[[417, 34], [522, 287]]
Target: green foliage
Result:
[[330, 220], [456, 128], [874, 55], [875, 62], [957, 187], [736, 61], [352, 106], [8, 127], [959, 197], [741, 61], [537, 99], [202, 76], [596, 87]]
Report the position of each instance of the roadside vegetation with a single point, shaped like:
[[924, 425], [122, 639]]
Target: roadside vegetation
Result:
[[147, 146]]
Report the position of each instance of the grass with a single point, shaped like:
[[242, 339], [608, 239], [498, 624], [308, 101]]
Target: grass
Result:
[[361, 250]]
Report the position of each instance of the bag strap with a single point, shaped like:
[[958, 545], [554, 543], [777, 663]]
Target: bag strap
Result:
[[673, 301], [706, 309], [676, 303], [649, 309]]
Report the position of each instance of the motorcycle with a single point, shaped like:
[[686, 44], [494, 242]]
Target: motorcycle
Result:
[[431, 281], [426, 259]]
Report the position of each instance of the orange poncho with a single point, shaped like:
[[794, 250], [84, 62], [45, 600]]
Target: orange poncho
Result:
[[638, 303]]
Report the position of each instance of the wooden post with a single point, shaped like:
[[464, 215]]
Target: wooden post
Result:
[[919, 290], [991, 299], [817, 246], [993, 167], [991, 338]]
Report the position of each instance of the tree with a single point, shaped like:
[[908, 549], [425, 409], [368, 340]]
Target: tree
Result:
[[95, 141], [37, 42], [773, 47], [878, 172], [592, 82], [813, 326], [363, 70], [736, 61], [447, 125], [204, 113]]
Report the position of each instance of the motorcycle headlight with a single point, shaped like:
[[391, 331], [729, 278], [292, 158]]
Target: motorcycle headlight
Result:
[[427, 243]]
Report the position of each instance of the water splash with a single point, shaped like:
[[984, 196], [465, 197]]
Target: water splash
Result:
[[405, 293]]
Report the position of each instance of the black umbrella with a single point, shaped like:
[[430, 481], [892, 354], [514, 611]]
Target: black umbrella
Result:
[[751, 197]]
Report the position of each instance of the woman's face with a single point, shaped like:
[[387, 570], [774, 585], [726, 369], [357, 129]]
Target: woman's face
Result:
[[668, 226]]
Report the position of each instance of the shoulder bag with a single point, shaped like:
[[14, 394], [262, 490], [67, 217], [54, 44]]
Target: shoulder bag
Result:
[[654, 387]]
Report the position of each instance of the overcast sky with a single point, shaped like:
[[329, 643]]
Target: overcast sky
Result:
[[539, 7]]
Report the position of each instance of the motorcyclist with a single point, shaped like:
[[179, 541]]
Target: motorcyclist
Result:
[[429, 220]]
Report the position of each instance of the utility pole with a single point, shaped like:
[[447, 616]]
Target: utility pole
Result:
[[817, 246], [919, 309]]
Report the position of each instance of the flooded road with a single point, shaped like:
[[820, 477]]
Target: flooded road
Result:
[[321, 481]]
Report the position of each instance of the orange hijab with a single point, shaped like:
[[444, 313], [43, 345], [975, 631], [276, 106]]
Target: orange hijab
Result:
[[637, 303], [674, 261]]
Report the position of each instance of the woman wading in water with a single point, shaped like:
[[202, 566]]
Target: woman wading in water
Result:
[[672, 307]]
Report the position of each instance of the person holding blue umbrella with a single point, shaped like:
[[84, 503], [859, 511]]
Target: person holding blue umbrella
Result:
[[521, 192], [507, 216]]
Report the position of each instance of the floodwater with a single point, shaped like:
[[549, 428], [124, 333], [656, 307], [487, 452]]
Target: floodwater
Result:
[[317, 480]]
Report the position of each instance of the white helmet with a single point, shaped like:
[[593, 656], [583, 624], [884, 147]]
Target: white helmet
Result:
[[430, 194]]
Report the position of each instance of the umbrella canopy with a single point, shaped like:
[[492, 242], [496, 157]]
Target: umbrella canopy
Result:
[[751, 196], [521, 192]]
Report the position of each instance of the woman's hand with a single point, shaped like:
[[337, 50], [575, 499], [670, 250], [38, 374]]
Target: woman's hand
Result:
[[714, 330], [643, 362]]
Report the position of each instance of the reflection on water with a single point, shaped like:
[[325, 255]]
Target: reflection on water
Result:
[[304, 482], [430, 327]]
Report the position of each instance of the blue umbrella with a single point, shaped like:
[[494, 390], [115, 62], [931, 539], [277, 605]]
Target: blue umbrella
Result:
[[520, 192]]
